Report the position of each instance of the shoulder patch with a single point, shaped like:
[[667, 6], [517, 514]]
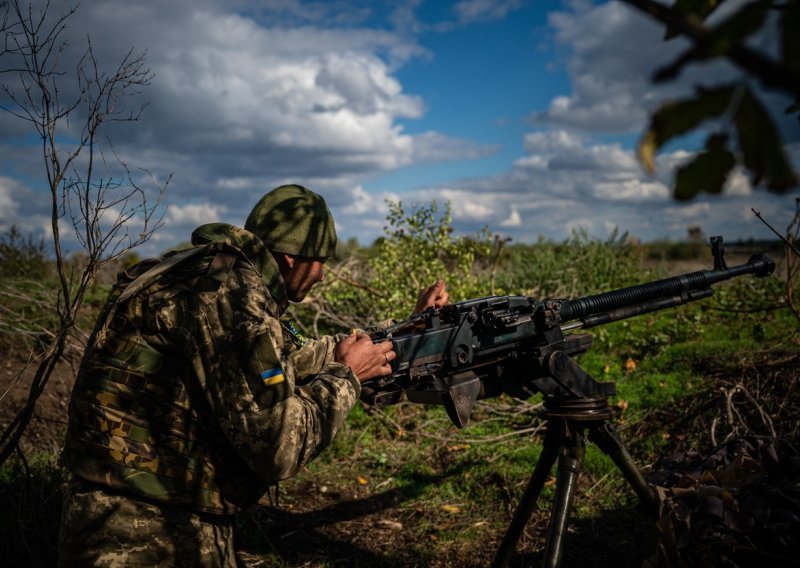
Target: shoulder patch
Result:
[[297, 338], [272, 376]]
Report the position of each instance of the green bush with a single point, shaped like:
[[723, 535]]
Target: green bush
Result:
[[418, 247], [23, 257], [451, 492], [578, 266]]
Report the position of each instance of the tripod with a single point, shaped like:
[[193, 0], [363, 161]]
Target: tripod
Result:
[[570, 422]]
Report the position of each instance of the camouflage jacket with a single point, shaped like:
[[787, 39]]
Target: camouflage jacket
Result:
[[192, 391]]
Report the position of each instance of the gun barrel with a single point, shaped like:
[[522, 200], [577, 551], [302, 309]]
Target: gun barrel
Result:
[[678, 289]]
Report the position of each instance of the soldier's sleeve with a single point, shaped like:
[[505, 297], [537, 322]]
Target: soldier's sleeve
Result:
[[316, 353], [312, 358], [234, 348]]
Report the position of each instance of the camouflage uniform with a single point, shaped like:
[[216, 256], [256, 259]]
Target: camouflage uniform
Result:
[[191, 399]]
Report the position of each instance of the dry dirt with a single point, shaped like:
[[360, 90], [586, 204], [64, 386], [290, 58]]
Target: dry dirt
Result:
[[45, 431]]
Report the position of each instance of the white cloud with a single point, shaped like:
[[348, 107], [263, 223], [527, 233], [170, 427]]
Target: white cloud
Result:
[[24, 209], [513, 220], [249, 97], [242, 95], [8, 207], [254, 96], [568, 182], [738, 184], [359, 213], [466, 207], [631, 190], [612, 53], [361, 202], [194, 213]]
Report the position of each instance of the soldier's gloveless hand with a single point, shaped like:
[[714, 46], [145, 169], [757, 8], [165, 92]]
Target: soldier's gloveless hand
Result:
[[367, 359], [434, 296]]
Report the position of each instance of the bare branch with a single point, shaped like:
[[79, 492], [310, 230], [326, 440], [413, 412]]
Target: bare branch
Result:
[[771, 228], [103, 201], [792, 255]]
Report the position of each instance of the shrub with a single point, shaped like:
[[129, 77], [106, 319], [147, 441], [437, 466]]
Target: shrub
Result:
[[23, 257], [418, 247], [577, 266]]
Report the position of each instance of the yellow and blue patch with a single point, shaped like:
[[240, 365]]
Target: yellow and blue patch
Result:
[[272, 376]]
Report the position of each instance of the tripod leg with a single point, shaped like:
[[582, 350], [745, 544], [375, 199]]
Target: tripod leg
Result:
[[550, 447], [606, 438], [569, 466]]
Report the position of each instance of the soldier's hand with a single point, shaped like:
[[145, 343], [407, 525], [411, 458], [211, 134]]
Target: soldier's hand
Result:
[[368, 360], [435, 296]]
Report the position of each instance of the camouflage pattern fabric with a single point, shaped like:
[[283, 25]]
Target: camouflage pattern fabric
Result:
[[99, 528], [192, 393], [294, 220]]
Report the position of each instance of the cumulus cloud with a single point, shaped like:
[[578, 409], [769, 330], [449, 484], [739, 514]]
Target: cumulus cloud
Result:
[[248, 96], [358, 213], [568, 182], [612, 52], [564, 163], [8, 207], [24, 209], [277, 96], [513, 219], [253, 95], [194, 213], [359, 202], [631, 190]]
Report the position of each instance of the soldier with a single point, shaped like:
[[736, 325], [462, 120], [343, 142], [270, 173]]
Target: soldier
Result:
[[193, 396]]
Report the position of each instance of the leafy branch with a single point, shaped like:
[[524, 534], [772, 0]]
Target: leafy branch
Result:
[[758, 144]]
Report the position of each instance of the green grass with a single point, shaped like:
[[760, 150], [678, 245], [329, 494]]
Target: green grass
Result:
[[452, 492]]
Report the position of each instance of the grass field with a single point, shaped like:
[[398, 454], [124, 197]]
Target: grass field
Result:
[[404, 487]]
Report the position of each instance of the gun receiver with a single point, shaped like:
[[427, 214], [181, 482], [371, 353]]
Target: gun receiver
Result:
[[484, 347]]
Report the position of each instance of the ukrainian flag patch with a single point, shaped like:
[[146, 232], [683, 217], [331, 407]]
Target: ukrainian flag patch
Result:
[[272, 376]]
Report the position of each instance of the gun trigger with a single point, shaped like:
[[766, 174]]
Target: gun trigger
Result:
[[461, 395]]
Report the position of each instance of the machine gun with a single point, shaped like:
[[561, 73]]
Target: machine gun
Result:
[[519, 345]]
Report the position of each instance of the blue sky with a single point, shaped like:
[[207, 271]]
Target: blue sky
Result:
[[522, 114]]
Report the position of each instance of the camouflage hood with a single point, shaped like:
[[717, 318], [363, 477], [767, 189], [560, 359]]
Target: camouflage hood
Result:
[[252, 248]]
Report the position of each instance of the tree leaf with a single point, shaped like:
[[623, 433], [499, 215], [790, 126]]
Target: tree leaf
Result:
[[707, 172], [676, 118], [734, 29], [721, 40], [790, 38], [692, 9], [647, 149], [761, 145]]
